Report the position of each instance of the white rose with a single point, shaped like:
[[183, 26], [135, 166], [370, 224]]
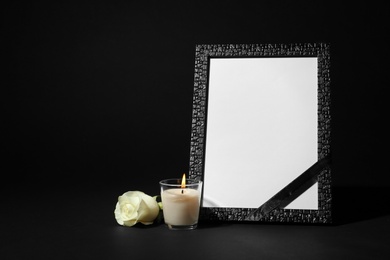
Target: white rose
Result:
[[135, 206]]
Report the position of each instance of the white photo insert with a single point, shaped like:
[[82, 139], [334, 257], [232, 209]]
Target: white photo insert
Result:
[[261, 130]]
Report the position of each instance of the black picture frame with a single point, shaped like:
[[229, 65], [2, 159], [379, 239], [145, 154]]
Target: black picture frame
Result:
[[320, 172]]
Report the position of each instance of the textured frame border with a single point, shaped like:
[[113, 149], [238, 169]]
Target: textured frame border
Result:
[[199, 114]]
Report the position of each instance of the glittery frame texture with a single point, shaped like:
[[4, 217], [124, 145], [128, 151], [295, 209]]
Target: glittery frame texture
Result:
[[203, 54]]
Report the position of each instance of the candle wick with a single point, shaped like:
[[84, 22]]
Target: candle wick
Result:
[[182, 191]]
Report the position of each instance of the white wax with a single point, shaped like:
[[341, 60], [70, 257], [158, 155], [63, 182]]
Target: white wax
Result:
[[180, 208]]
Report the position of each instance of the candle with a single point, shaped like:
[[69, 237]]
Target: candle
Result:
[[181, 207], [181, 202]]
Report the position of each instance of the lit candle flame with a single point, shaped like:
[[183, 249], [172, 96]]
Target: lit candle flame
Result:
[[183, 181]]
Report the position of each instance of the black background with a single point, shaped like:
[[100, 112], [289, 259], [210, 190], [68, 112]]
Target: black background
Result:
[[102, 91], [96, 96]]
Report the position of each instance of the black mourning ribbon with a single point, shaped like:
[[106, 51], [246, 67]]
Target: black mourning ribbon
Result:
[[293, 190]]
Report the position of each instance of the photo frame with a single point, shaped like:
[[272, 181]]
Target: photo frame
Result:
[[260, 134]]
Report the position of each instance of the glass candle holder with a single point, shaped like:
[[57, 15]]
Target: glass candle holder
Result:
[[181, 203]]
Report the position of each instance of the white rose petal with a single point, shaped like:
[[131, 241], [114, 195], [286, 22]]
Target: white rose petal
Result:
[[135, 206]]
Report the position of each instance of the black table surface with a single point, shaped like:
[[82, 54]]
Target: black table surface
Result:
[[80, 224]]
